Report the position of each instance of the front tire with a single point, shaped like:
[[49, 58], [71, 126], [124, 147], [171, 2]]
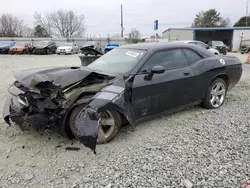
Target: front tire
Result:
[[110, 124], [216, 94]]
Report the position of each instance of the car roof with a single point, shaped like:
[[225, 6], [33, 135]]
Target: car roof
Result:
[[187, 41], [155, 45]]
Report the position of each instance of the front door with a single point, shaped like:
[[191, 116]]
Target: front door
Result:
[[165, 91]]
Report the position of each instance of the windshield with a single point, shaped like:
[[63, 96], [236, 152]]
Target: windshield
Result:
[[5, 43], [67, 44], [41, 43], [19, 44], [117, 61], [218, 43], [89, 43]]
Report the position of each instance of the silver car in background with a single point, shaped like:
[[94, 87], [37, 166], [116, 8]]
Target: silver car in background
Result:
[[202, 44], [67, 48]]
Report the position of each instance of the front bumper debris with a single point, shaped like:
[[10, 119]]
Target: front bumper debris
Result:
[[18, 109]]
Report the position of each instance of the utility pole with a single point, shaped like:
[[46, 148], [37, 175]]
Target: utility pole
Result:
[[121, 22], [246, 12]]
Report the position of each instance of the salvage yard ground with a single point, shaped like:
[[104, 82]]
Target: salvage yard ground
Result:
[[210, 148]]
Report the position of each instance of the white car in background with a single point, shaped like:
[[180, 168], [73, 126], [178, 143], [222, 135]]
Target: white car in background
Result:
[[199, 43], [67, 48]]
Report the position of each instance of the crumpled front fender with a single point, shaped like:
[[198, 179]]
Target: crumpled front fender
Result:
[[113, 96]]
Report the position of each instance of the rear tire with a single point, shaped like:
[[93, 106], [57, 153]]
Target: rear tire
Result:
[[216, 94], [109, 135]]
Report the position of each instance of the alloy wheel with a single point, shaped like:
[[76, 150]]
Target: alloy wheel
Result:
[[217, 95], [106, 125]]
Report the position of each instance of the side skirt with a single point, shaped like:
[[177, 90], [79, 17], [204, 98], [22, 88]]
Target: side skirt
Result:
[[168, 112]]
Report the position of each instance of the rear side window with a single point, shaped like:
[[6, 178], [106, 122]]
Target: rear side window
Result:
[[192, 56]]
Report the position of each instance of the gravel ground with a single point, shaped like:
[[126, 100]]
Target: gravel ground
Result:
[[195, 147]]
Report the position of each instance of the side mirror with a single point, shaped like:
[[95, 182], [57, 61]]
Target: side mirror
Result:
[[158, 70], [154, 70], [208, 47]]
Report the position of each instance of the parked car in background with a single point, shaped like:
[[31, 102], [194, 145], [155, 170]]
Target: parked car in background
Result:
[[109, 47], [21, 48], [5, 46], [127, 84], [218, 45], [67, 48], [93, 44], [199, 43], [245, 49], [44, 47]]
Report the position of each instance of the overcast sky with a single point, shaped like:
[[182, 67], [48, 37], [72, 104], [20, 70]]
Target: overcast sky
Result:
[[103, 16]]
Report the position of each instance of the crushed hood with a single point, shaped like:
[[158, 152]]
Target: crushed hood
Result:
[[61, 76]]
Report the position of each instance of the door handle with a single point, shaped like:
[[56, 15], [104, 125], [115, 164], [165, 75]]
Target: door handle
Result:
[[186, 73]]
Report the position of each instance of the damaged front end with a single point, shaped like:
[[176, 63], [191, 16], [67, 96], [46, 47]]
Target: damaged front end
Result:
[[44, 103], [45, 99], [39, 106]]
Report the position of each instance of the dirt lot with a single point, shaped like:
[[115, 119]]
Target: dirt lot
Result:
[[210, 148]]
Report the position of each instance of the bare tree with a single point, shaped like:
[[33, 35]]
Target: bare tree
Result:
[[10, 26], [62, 22], [27, 32], [45, 22]]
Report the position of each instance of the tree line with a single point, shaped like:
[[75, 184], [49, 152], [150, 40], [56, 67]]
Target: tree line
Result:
[[213, 18], [61, 23], [67, 23]]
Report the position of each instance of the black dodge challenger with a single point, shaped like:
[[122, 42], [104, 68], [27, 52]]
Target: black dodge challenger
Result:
[[128, 84]]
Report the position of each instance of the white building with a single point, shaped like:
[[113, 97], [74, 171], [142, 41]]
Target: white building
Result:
[[231, 36]]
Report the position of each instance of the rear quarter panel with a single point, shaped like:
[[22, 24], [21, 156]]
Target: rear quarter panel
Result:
[[207, 70]]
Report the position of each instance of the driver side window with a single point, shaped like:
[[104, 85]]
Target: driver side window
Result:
[[169, 59]]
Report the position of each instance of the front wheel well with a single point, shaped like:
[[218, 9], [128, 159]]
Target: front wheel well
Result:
[[66, 129]]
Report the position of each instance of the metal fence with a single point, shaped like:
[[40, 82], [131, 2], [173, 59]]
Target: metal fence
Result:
[[60, 41]]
